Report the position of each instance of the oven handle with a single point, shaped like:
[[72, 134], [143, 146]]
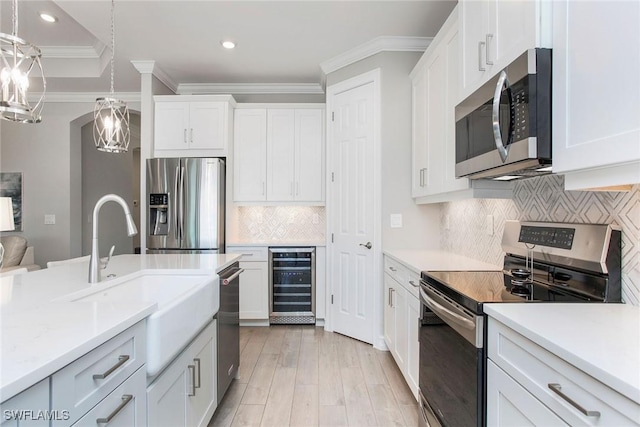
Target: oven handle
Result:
[[447, 313]]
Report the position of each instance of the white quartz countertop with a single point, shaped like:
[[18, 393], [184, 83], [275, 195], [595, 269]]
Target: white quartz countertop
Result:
[[284, 243], [41, 333], [603, 340], [435, 260]]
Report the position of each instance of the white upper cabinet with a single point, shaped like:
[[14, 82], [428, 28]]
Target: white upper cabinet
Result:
[[195, 126], [596, 103], [288, 145], [495, 32], [250, 153], [436, 85]]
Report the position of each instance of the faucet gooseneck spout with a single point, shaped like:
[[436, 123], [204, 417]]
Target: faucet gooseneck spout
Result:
[[94, 269]]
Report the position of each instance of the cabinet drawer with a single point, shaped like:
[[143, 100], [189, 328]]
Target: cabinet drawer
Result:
[[538, 370], [22, 409], [82, 384], [126, 406], [396, 270], [413, 283], [249, 253]]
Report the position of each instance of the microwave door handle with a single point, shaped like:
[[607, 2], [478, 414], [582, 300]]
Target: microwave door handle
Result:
[[503, 149]]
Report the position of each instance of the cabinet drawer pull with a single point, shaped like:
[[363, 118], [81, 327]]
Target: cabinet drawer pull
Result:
[[184, 137], [192, 368], [121, 361], [126, 398], [413, 283], [489, 37], [197, 362], [556, 388]]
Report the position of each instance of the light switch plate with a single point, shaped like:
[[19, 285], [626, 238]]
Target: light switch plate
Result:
[[49, 219], [395, 220]]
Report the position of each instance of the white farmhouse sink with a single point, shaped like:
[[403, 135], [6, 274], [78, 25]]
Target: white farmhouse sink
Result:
[[186, 302]]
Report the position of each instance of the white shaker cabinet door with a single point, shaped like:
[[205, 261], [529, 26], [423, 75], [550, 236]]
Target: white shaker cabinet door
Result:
[[207, 126], [250, 154], [280, 154], [309, 155], [16, 411], [254, 291], [596, 114], [413, 345], [171, 126]]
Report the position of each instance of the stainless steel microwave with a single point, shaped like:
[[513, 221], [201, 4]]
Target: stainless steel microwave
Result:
[[503, 130]]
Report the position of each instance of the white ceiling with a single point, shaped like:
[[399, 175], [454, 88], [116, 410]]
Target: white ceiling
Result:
[[278, 42]]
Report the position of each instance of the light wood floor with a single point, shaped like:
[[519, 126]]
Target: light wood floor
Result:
[[304, 376]]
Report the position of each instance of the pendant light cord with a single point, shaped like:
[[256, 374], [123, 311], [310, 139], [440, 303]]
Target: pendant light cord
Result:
[[14, 17], [113, 42]]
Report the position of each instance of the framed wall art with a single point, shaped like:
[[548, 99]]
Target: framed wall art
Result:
[[11, 186]]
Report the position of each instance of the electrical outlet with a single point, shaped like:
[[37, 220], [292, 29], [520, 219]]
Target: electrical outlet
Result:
[[395, 220], [489, 225], [49, 219]]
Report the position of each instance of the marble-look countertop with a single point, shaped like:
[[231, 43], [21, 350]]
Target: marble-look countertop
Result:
[[435, 260], [41, 333], [281, 243], [602, 340]]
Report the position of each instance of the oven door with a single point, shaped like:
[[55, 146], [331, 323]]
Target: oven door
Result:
[[451, 375]]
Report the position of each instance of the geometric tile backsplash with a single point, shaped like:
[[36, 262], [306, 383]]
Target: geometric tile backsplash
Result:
[[544, 199], [279, 223]]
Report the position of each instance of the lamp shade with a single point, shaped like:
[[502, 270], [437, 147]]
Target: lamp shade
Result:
[[6, 214]]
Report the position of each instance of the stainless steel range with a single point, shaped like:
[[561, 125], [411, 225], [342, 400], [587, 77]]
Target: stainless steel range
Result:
[[544, 263]]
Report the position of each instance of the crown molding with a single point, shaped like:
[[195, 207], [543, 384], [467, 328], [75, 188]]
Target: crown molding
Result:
[[249, 88], [150, 67], [73, 52], [85, 96], [374, 46]]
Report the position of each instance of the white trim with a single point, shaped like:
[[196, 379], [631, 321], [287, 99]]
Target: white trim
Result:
[[374, 46], [150, 67], [73, 52], [271, 105], [373, 76], [85, 96], [249, 88]]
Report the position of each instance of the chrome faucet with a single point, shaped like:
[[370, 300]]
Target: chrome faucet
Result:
[[94, 270]]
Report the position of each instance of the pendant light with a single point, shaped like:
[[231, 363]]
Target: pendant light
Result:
[[110, 115], [19, 60]]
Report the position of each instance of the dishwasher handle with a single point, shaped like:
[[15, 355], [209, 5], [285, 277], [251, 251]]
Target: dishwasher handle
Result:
[[233, 277]]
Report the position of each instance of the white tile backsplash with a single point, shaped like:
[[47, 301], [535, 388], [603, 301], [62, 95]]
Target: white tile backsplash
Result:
[[279, 223], [544, 199]]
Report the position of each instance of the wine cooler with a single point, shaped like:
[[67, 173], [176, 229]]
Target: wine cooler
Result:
[[292, 285]]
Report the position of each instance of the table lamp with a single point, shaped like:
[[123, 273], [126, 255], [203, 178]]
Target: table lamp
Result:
[[6, 220]]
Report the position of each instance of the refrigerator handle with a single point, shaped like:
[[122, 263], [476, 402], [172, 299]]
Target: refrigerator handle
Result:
[[176, 197], [181, 203]]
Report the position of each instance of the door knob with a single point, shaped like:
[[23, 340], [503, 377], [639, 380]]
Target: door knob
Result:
[[367, 245]]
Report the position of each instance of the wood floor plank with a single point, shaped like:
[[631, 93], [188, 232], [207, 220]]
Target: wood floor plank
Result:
[[273, 344], [304, 411], [259, 384], [399, 386], [248, 359], [223, 417], [359, 409], [290, 348], [332, 416], [385, 406], [308, 363], [248, 416], [410, 413], [348, 353], [371, 367], [329, 377], [277, 411]]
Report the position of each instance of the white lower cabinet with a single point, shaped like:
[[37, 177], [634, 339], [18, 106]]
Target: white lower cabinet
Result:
[[401, 314], [529, 385], [185, 393], [24, 409], [125, 406], [254, 282]]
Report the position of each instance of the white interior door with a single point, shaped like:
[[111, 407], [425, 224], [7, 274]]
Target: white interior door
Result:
[[352, 211]]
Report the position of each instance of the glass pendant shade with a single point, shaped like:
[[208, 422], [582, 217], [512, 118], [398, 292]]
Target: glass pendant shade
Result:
[[111, 125], [20, 64]]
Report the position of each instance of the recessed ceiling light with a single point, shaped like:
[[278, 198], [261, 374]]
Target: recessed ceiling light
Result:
[[228, 44], [47, 17]]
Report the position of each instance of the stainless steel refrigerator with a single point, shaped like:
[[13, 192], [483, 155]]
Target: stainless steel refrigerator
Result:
[[186, 205]]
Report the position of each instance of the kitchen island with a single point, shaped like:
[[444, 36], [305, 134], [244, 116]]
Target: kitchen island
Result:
[[43, 329]]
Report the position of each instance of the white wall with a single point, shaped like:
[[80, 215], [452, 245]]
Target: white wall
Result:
[[48, 155], [420, 222]]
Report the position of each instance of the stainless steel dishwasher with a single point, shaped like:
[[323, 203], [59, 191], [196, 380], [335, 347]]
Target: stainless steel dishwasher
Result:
[[228, 327]]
